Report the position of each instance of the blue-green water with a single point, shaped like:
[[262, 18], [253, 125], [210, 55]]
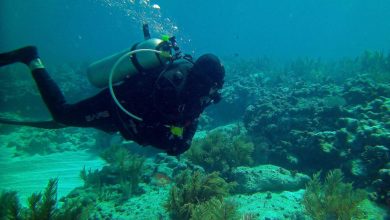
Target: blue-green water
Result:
[[307, 89], [284, 29]]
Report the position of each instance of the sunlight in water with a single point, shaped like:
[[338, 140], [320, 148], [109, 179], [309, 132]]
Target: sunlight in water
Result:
[[140, 12], [143, 11]]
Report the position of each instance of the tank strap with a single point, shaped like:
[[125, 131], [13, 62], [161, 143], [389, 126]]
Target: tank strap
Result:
[[161, 45], [134, 60], [137, 65]]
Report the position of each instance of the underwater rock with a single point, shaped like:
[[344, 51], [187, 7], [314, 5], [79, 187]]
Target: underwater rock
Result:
[[361, 90], [351, 124], [355, 96], [385, 174], [267, 178], [161, 169], [205, 121], [282, 205], [375, 157], [382, 186], [32, 141], [358, 168], [309, 126]]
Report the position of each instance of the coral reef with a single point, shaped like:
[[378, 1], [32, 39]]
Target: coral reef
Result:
[[222, 150], [103, 192], [311, 127], [30, 141], [123, 168], [9, 205], [333, 199], [40, 206], [271, 205], [381, 186], [310, 115], [105, 196], [376, 64], [193, 189], [43, 206], [288, 121], [250, 80], [162, 169], [215, 209], [267, 178]]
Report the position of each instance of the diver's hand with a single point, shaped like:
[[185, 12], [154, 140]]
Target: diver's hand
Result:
[[178, 147]]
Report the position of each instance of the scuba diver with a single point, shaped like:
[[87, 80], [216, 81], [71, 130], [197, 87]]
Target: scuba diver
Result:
[[156, 100]]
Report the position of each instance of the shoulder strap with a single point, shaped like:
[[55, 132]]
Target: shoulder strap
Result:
[[169, 87]]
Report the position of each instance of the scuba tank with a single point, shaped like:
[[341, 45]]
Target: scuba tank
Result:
[[146, 55], [144, 59]]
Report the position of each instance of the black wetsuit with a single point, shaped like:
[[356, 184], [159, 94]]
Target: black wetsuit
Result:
[[159, 107]]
